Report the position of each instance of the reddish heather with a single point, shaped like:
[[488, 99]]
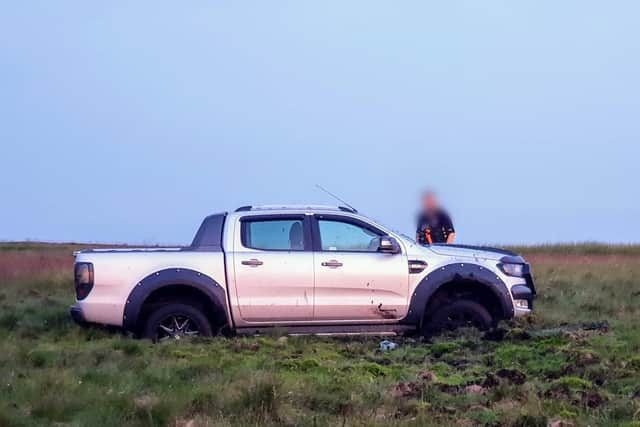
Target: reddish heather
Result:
[[23, 263]]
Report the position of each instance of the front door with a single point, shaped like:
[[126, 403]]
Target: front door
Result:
[[273, 265], [355, 282]]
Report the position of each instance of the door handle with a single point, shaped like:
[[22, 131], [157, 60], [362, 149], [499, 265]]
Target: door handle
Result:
[[252, 262], [332, 264]]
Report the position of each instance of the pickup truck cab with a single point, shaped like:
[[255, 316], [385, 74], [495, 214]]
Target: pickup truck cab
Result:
[[304, 269]]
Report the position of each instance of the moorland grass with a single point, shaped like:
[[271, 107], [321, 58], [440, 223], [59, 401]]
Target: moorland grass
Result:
[[54, 373], [578, 249]]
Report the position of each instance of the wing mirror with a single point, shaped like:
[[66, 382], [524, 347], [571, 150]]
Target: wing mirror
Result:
[[388, 245]]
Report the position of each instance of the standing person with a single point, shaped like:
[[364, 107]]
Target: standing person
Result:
[[434, 223]]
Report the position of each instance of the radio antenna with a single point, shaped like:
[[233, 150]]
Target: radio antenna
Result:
[[336, 197]]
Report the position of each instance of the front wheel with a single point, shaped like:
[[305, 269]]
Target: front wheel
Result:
[[176, 321], [458, 314]]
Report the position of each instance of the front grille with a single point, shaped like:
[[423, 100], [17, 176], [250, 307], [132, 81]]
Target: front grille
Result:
[[528, 277]]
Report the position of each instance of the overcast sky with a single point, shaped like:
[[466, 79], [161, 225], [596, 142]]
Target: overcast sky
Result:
[[130, 121]]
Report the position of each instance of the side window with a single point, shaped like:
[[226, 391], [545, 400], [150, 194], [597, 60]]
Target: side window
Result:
[[273, 234], [343, 236]]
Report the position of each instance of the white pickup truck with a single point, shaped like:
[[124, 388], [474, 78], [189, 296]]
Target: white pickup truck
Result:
[[304, 269]]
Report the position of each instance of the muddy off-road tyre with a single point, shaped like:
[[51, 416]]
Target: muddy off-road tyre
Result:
[[458, 314], [175, 321]]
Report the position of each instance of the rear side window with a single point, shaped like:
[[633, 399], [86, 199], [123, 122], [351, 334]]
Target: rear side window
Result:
[[273, 234], [209, 235]]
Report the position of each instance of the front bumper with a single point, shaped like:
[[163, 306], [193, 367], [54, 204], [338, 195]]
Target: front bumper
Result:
[[522, 299], [77, 315], [524, 292]]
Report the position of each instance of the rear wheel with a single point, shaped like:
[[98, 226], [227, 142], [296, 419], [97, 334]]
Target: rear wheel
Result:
[[458, 314], [175, 321]]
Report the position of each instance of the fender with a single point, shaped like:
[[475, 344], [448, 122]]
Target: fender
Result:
[[449, 273], [171, 276]]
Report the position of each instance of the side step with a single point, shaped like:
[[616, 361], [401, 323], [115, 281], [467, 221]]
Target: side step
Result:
[[380, 330]]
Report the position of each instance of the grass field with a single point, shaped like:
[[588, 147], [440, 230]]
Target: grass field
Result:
[[539, 374]]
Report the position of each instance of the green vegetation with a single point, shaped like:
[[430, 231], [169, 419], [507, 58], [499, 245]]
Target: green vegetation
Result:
[[580, 249], [54, 373]]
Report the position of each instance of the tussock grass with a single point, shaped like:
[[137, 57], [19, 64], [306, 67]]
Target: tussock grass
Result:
[[568, 249], [54, 373]]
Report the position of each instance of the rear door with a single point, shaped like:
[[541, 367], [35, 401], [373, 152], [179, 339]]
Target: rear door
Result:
[[273, 265], [353, 281]]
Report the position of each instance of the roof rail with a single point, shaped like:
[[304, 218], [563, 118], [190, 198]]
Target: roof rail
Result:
[[288, 207]]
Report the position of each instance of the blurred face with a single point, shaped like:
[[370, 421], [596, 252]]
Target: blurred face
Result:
[[429, 202]]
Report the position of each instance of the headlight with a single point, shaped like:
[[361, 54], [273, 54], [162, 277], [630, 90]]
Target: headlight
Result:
[[515, 270]]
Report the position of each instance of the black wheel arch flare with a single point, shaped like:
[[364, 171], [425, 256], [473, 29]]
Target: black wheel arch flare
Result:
[[433, 281], [171, 277]]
